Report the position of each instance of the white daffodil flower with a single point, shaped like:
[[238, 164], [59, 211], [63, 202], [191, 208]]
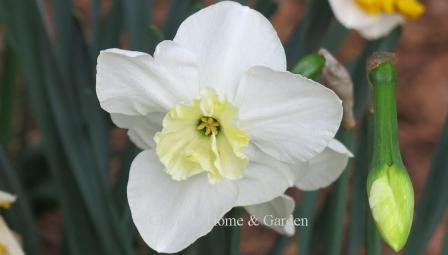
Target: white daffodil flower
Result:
[[221, 122], [8, 243], [375, 18]]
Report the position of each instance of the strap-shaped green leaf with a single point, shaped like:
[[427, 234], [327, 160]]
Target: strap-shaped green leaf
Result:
[[8, 87], [433, 203]]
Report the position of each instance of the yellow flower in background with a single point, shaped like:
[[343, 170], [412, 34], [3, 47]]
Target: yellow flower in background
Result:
[[375, 18], [8, 243], [222, 124]]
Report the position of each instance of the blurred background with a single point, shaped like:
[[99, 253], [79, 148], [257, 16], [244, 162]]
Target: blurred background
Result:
[[68, 164]]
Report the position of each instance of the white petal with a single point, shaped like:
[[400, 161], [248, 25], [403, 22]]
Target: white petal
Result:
[[288, 116], [265, 178], [228, 39], [170, 215], [278, 208], [135, 83], [351, 15], [370, 26], [141, 129], [8, 240], [183, 69], [382, 28], [323, 169]]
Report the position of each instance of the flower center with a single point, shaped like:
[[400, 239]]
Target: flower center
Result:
[[208, 126], [193, 141], [411, 9]]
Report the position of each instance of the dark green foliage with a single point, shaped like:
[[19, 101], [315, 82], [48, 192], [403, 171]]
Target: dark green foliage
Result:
[[309, 32], [433, 205], [8, 88]]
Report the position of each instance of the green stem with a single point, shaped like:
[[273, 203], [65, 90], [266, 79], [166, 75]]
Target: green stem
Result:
[[386, 147], [306, 209], [7, 93], [373, 242], [234, 233]]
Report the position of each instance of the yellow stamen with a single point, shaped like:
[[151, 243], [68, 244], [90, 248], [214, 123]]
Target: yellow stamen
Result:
[[208, 126], [410, 9]]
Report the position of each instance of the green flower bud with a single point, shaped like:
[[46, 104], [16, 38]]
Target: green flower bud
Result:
[[391, 200], [389, 188], [310, 66], [155, 33]]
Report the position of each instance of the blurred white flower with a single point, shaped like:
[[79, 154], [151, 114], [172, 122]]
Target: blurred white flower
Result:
[[6, 199], [375, 18], [8, 242], [221, 121]]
